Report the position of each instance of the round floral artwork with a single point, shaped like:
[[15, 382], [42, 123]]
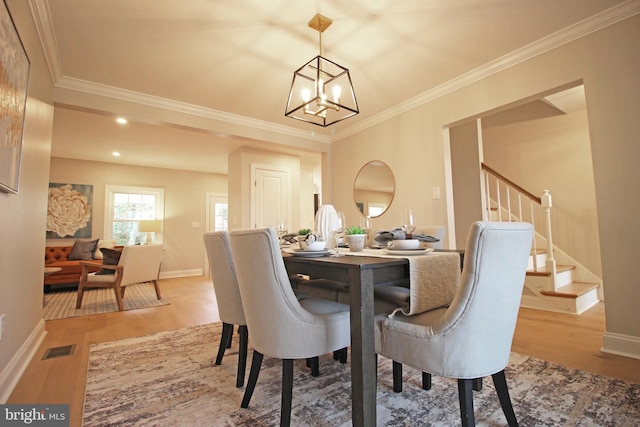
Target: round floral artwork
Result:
[[69, 210]]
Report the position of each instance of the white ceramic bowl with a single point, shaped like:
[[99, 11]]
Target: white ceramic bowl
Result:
[[405, 244], [315, 246]]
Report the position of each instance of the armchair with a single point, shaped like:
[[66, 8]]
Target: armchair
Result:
[[137, 264]]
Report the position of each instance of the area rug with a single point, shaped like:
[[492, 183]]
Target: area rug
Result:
[[62, 304], [170, 379]]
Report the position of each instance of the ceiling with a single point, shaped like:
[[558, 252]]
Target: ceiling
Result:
[[233, 62]]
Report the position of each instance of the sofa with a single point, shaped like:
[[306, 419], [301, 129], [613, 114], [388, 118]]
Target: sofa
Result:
[[70, 269]]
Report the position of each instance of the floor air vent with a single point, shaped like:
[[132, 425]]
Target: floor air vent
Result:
[[65, 350]]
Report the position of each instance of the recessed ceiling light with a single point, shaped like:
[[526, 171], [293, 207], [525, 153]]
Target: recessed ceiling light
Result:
[[121, 120], [116, 154]]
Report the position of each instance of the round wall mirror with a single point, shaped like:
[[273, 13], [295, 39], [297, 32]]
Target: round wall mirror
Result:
[[374, 188]]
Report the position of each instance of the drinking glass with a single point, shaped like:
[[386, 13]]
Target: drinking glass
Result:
[[281, 229], [408, 221], [341, 225], [365, 222]]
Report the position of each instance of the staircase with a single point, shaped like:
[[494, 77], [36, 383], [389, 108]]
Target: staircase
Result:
[[553, 283]]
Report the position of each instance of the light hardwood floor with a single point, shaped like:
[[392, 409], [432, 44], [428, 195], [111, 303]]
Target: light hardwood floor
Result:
[[573, 341]]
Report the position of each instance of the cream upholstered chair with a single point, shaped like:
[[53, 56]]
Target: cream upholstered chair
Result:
[[281, 326], [137, 264], [228, 299], [471, 338], [436, 231]]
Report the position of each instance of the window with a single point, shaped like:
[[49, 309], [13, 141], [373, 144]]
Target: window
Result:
[[126, 207]]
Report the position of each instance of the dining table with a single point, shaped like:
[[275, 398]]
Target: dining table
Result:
[[362, 273]]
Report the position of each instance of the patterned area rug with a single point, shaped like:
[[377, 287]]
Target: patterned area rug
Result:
[[62, 304], [170, 379]]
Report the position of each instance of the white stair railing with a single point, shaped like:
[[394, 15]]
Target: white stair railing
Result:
[[507, 193]]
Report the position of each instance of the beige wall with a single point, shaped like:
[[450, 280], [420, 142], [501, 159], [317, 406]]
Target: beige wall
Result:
[[184, 198], [554, 154], [240, 164], [608, 62], [22, 233]]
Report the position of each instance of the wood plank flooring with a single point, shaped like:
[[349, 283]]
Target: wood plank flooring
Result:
[[573, 341]]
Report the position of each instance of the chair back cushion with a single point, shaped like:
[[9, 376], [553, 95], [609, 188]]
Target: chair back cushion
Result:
[[140, 263], [224, 278]]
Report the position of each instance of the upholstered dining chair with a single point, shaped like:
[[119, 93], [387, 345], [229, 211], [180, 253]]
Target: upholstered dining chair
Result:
[[228, 299], [436, 231], [136, 264], [281, 326], [471, 338]]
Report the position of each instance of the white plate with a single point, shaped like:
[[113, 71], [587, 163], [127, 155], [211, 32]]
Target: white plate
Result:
[[308, 254], [421, 251]]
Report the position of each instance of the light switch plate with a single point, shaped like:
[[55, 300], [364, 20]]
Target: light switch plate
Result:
[[436, 192]]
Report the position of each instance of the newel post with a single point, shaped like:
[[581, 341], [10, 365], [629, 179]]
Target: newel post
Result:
[[550, 264]]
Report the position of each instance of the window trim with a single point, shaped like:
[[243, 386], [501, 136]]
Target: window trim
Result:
[[111, 189]]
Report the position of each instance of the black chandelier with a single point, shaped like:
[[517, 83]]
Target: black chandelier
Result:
[[321, 90]]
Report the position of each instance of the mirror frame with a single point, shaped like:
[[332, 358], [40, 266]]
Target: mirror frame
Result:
[[375, 163]]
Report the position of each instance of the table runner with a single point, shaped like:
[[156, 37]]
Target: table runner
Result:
[[433, 278]]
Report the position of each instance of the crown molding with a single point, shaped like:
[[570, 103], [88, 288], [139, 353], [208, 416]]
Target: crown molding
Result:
[[42, 19], [92, 88], [559, 38]]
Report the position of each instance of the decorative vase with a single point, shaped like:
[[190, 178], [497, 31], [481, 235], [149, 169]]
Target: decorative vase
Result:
[[356, 242], [326, 224]]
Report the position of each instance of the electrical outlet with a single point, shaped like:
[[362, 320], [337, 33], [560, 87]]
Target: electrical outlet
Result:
[[195, 225], [436, 192], [1, 326]]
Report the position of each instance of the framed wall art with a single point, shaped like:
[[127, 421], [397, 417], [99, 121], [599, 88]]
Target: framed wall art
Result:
[[69, 210], [14, 77]]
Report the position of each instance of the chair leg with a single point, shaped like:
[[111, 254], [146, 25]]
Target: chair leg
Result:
[[287, 392], [477, 384], [242, 354], [343, 355], [230, 338], [80, 296], [426, 381], [256, 362], [156, 283], [465, 395], [227, 330], [314, 364], [119, 291], [500, 381], [397, 376]]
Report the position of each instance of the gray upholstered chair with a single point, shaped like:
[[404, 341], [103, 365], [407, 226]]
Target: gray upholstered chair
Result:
[[471, 338], [136, 264], [436, 231], [281, 326], [228, 298]]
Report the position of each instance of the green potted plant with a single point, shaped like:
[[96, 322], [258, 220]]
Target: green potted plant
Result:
[[302, 235], [356, 238]]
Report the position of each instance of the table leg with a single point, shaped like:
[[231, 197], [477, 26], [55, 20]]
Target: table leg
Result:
[[363, 358]]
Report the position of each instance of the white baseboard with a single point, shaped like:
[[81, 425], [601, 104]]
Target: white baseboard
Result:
[[622, 345], [181, 273], [11, 374]]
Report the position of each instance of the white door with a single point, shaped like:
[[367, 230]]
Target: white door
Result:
[[271, 193], [217, 219]]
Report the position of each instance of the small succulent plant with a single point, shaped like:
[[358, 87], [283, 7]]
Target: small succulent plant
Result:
[[354, 229]]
